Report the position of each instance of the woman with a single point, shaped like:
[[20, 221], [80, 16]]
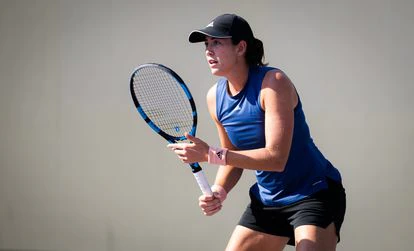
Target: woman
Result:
[[298, 198]]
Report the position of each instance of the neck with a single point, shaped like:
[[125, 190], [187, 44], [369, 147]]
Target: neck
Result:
[[237, 79]]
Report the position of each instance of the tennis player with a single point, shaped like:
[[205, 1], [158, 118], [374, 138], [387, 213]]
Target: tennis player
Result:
[[298, 198]]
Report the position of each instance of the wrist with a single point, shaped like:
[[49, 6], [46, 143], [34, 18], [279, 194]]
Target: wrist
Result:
[[217, 155], [220, 191]]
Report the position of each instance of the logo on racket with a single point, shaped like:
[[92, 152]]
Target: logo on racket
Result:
[[177, 128]]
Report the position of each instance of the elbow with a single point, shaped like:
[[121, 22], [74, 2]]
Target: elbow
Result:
[[279, 165], [278, 161]]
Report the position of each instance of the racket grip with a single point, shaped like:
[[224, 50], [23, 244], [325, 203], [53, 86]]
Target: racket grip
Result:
[[203, 182]]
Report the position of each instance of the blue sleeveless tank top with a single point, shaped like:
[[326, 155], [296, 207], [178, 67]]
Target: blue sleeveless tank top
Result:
[[242, 116]]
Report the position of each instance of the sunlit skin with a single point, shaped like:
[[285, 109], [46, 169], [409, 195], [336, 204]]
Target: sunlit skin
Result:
[[222, 57], [278, 99]]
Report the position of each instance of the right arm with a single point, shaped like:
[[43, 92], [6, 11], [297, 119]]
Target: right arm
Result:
[[227, 176]]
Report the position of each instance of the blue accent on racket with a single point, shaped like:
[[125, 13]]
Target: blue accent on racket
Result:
[[165, 103]]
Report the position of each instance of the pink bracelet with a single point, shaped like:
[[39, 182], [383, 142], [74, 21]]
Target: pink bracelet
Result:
[[217, 155]]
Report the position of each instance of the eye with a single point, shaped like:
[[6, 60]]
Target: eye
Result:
[[212, 43]]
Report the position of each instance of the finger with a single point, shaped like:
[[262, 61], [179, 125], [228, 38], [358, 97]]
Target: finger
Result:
[[212, 203], [206, 197], [219, 196], [189, 136], [211, 207], [212, 212], [209, 204], [180, 152], [183, 156], [193, 138], [177, 145]]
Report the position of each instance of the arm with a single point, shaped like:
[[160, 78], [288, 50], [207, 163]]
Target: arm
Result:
[[227, 176], [278, 99]]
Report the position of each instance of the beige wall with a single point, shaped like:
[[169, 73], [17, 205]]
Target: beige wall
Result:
[[79, 170]]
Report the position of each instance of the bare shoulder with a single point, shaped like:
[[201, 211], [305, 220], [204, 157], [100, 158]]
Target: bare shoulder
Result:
[[277, 80], [277, 84], [211, 93], [211, 101]]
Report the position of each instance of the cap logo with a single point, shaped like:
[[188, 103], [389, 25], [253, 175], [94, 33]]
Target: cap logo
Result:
[[210, 24]]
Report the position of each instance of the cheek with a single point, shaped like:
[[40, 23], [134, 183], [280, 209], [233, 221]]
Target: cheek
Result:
[[228, 60], [222, 56]]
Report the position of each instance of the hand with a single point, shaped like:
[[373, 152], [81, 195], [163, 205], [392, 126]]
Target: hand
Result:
[[196, 151], [212, 204]]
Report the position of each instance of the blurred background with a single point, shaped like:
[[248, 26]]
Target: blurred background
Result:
[[80, 170]]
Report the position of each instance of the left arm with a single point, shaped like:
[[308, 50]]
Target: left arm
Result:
[[278, 99]]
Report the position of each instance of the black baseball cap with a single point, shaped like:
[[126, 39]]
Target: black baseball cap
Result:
[[224, 26]]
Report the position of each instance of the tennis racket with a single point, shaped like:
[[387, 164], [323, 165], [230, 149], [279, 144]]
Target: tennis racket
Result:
[[167, 106]]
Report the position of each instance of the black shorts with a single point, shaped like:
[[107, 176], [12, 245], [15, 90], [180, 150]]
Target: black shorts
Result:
[[319, 209]]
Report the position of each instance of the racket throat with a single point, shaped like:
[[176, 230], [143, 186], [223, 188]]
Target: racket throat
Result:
[[195, 167]]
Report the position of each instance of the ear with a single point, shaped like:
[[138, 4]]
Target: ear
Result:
[[242, 47]]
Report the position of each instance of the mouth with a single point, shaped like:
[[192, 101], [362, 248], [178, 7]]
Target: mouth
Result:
[[212, 62]]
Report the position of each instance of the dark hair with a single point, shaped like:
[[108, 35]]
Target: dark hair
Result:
[[254, 52]]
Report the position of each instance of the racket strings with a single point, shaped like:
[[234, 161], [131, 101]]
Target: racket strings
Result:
[[163, 100]]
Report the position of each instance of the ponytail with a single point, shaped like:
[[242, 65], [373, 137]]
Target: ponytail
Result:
[[255, 53]]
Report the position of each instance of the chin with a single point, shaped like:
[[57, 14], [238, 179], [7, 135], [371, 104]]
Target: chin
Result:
[[215, 72]]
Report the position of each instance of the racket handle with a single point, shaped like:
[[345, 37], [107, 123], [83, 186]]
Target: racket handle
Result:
[[203, 182]]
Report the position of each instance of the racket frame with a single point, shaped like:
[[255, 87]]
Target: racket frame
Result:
[[195, 167]]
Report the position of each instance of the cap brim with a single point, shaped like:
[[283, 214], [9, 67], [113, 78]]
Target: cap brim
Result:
[[200, 35]]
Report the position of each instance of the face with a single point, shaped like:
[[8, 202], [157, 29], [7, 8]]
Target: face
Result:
[[221, 55]]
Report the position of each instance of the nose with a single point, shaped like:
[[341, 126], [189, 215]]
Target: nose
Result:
[[209, 51]]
